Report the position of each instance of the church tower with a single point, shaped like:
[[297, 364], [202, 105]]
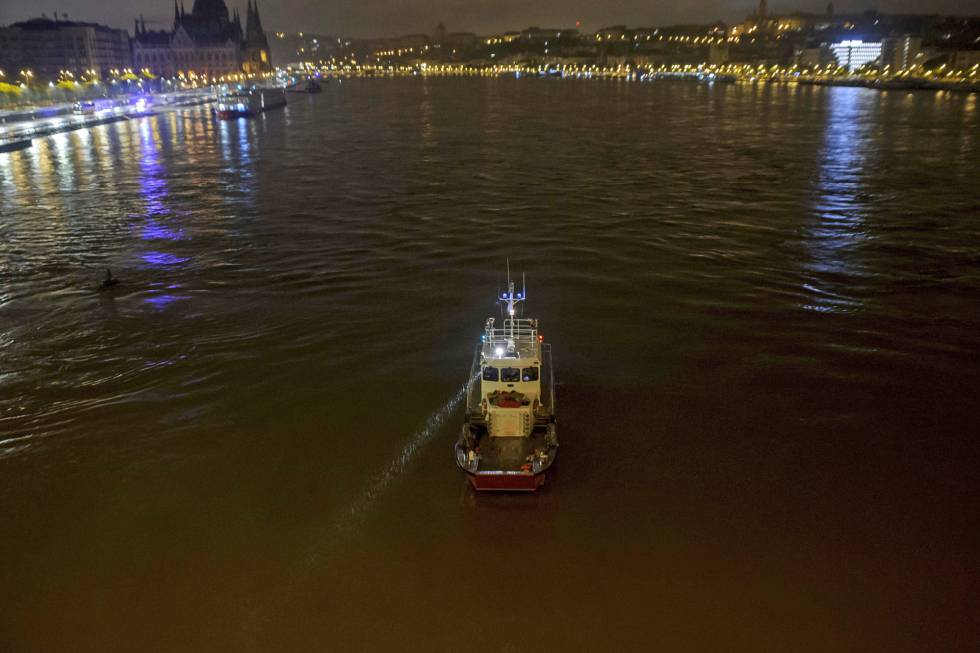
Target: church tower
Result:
[[255, 54]]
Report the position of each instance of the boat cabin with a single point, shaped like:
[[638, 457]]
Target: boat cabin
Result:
[[510, 377]]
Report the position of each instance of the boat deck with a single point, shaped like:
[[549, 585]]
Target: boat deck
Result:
[[509, 454]]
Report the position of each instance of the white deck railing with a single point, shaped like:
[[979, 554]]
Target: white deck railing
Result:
[[517, 337]]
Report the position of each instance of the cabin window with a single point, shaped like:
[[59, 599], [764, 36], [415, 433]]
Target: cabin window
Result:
[[510, 374], [529, 374], [490, 373]]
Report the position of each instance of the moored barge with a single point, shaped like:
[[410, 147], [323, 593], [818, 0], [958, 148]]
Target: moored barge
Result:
[[252, 102]]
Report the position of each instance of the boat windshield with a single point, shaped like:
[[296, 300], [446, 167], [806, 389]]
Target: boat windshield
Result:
[[529, 374], [510, 374], [490, 373]]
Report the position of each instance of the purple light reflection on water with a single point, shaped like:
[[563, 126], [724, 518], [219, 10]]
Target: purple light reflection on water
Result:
[[160, 302], [153, 186], [159, 259], [156, 231], [153, 206]]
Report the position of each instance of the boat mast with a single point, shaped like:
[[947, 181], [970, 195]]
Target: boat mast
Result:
[[513, 298]]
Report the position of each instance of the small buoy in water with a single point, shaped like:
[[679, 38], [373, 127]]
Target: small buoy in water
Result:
[[109, 282]]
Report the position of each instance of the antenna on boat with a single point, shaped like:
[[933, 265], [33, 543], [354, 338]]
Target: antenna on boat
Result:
[[513, 298]]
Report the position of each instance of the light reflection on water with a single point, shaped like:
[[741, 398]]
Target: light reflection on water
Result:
[[152, 182], [759, 297], [160, 222], [236, 142], [157, 259], [163, 300], [154, 230], [838, 233]]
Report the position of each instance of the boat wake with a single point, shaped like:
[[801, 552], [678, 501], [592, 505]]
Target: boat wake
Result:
[[331, 536], [349, 518], [397, 466]]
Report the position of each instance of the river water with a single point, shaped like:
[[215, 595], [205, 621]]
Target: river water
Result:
[[764, 303]]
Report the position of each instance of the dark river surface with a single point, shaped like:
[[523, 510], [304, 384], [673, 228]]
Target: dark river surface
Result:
[[764, 304]]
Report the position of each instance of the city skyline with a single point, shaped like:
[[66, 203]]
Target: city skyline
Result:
[[383, 18]]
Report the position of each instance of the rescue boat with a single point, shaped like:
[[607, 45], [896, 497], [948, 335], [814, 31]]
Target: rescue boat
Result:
[[509, 437]]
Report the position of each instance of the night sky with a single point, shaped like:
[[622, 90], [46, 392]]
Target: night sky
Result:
[[364, 18]]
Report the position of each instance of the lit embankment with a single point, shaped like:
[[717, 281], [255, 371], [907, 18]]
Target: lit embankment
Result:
[[942, 78], [37, 122]]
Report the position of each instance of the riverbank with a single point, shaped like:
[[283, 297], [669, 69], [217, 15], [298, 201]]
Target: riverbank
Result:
[[727, 73], [19, 128]]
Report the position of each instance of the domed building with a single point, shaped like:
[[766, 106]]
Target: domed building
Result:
[[207, 41]]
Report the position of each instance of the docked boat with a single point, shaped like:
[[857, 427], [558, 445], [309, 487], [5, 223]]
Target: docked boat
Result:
[[15, 144], [311, 87], [252, 102], [509, 438]]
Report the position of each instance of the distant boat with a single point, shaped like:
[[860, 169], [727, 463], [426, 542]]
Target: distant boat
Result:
[[509, 437], [14, 145], [243, 104], [311, 86]]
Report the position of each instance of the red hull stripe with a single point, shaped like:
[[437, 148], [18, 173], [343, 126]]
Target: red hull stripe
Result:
[[507, 482]]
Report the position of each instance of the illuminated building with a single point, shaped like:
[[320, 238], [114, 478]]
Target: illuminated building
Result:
[[47, 47], [966, 59], [206, 41], [901, 52], [855, 54]]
